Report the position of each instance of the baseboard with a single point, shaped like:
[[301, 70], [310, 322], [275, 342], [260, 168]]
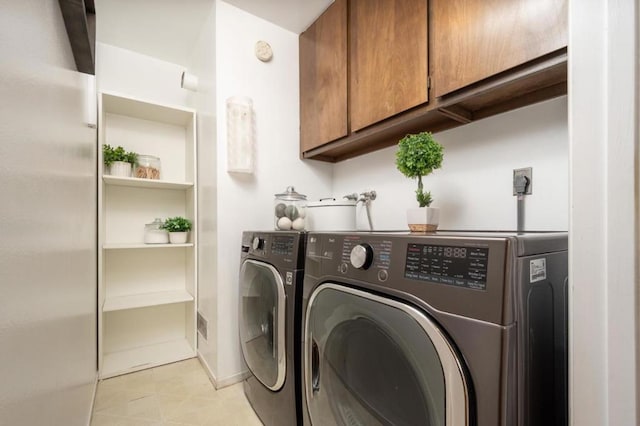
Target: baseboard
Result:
[[220, 383], [207, 369], [93, 399], [232, 380]]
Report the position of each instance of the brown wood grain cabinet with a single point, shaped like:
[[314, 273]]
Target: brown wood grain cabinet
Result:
[[372, 71], [476, 39], [323, 78], [359, 65], [387, 59]]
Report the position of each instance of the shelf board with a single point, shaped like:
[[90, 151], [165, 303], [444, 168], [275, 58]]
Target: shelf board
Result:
[[129, 246], [145, 299], [122, 362], [124, 105], [145, 183]]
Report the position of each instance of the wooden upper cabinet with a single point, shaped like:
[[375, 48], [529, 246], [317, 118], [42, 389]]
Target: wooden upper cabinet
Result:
[[476, 39], [387, 58], [323, 78]]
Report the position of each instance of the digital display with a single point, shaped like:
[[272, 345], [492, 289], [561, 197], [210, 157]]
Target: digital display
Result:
[[456, 252], [282, 245], [452, 265]]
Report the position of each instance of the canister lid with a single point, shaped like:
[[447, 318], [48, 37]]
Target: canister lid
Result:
[[156, 224], [332, 202], [291, 194]]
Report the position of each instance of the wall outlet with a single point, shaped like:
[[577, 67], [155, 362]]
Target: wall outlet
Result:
[[202, 326], [528, 173]]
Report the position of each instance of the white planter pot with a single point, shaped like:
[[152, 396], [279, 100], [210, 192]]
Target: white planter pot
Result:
[[156, 236], [178, 237], [423, 219], [120, 168]]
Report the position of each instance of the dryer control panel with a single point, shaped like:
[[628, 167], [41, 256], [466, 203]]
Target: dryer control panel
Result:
[[465, 263], [453, 265]]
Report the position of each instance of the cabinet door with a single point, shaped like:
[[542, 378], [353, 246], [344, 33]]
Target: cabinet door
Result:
[[323, 78], [387, 57], [476, 39]]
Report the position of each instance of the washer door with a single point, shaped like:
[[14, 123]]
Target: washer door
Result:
[[371, 361], [262, 322]]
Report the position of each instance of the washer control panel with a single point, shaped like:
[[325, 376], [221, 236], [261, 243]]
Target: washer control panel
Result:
[[257, 243], [279, 248], [283, 245]]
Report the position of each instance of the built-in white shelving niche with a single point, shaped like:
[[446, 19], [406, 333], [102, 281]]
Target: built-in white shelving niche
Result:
[[147, 293]]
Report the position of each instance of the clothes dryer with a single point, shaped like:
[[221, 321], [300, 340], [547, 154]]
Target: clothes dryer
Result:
[[271, 274], [440, 329]]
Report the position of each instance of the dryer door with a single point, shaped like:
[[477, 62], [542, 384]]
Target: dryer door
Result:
[[371, 360], [262, 322]]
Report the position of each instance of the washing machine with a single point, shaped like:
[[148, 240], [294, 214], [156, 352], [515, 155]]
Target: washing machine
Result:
[[271, 274], [440, 329]]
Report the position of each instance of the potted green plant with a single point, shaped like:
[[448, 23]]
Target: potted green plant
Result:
[[418, 155], [178, 228], [118, 161]]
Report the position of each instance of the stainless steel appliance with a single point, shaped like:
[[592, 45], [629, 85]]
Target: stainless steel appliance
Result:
[[271, 275], [449, 328]]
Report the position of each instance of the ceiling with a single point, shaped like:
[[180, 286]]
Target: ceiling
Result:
[[167, 29], [292, 15]]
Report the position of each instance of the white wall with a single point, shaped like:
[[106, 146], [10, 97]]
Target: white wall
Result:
[[245, 202], [48, 248], [604, 117], [473, 188], [136, 75], [202, 64]]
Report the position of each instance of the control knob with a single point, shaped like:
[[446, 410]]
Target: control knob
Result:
[[361, 256], [258, 243]]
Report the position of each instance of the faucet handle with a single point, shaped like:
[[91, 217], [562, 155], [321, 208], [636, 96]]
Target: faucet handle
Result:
[[369, 195]]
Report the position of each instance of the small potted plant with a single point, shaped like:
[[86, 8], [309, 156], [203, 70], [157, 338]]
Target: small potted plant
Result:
[[118, 161], [418, 155], [178, 228]]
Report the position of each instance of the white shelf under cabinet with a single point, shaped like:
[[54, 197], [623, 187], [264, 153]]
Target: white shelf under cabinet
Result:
[[145, 183], [146, 299], [122, 362]]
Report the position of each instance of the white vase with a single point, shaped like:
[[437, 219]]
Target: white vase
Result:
[[423, 219], [120, 168], [178, 237]]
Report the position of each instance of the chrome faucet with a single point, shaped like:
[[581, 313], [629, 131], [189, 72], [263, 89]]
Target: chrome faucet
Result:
[[367, 196]]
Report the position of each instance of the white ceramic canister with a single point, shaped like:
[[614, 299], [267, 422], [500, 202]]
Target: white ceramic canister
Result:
[[154, 234], [330, 214]]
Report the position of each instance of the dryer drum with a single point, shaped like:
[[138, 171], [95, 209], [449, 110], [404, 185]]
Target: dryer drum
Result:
[[370, 361], [353, 367]]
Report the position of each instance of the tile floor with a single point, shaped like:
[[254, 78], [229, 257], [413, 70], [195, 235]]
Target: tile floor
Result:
[[174, 394]]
